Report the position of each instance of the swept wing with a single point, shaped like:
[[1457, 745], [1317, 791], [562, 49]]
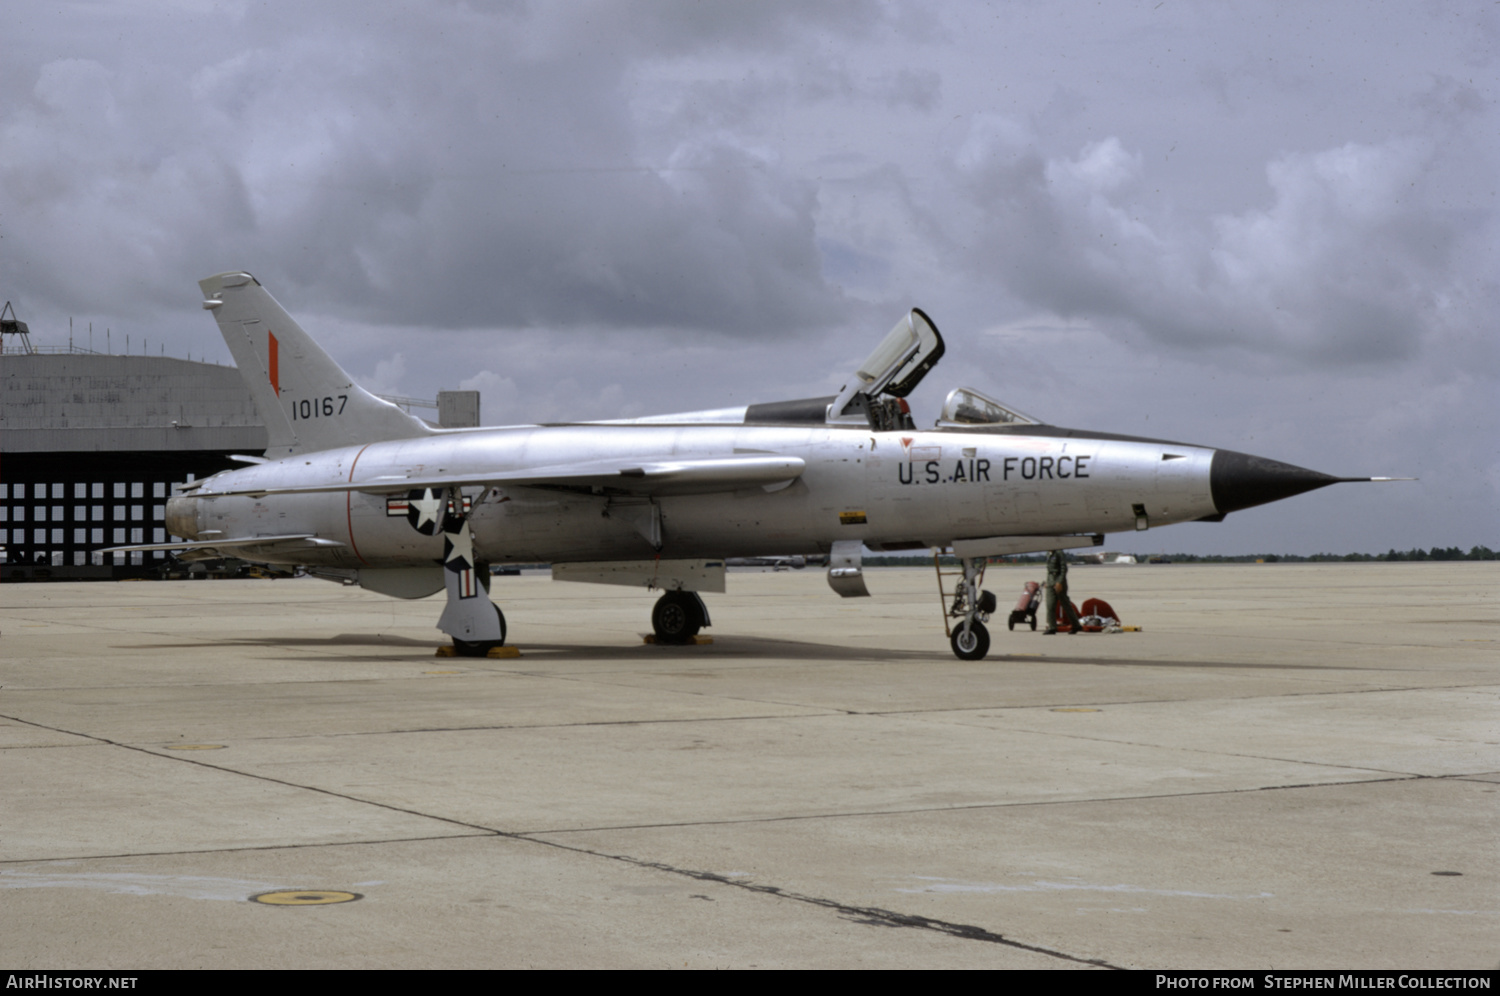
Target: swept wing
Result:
[[665, 476]]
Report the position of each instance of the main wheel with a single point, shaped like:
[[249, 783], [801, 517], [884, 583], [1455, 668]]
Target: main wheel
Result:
[[676, 617], [973, 644], [479, 648]]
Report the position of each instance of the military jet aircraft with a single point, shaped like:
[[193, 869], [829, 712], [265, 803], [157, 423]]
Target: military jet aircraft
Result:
[[353, 488]]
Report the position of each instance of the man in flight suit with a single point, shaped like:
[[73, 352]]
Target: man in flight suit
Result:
[[1057, 587]]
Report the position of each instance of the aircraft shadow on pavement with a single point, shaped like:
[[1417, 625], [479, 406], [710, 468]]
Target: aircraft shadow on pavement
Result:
[[342, 640], [726, 648], [722, 647], [732, 647]]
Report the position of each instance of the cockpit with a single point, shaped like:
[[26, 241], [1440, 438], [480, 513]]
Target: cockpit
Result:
[[876, 394]]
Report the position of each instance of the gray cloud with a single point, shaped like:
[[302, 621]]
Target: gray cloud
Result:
[[1348, 261], [491, 180], [1223, 223]]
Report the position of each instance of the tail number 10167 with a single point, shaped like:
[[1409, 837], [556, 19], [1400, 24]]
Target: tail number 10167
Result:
[[319, 407]]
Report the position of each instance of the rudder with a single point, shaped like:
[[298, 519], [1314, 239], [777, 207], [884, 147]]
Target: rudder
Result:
[[307, 400]]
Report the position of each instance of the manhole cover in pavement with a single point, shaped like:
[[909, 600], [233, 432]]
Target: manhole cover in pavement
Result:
[[305, 897]]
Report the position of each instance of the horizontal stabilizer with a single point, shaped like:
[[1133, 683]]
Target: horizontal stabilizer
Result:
[[1003, 546], [664, 476]]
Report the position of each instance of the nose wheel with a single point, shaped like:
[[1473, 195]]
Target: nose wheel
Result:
[[971, 643], [678, 616]]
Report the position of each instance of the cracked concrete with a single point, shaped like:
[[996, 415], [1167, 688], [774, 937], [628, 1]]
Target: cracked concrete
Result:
[[1248, 783]]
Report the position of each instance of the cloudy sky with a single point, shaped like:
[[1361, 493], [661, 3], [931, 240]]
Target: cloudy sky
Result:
[[1266, 227]]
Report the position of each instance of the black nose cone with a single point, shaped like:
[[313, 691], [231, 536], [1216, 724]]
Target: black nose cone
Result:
[[1239, 480]]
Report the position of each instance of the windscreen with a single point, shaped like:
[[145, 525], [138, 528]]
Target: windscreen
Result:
[[966, 406]]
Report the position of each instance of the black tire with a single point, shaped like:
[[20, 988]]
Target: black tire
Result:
[[479, 648], [677, 617], [971, 645], [1033, 622]]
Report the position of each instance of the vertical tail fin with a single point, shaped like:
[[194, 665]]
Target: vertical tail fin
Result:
[[306, 399]]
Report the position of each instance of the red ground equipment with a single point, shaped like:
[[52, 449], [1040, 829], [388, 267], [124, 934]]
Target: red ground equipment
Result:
[[1026, 605], [1097, 616]]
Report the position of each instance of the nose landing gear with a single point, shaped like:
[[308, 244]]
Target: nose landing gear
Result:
[[972, 643], [971, 607]]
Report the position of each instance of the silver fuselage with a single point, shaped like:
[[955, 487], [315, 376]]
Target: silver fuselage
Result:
[[891, 490]]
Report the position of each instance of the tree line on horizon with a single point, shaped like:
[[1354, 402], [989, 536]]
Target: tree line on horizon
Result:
[[1391, 556]]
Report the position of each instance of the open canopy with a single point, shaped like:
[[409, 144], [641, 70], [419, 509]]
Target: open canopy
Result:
[[901, 360]]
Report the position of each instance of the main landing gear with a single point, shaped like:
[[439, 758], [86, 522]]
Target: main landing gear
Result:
[[678, 616], [971, 607], [474, 622], [481, 648]]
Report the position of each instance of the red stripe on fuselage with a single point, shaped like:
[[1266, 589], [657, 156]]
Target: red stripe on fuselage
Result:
[[349, 503]]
